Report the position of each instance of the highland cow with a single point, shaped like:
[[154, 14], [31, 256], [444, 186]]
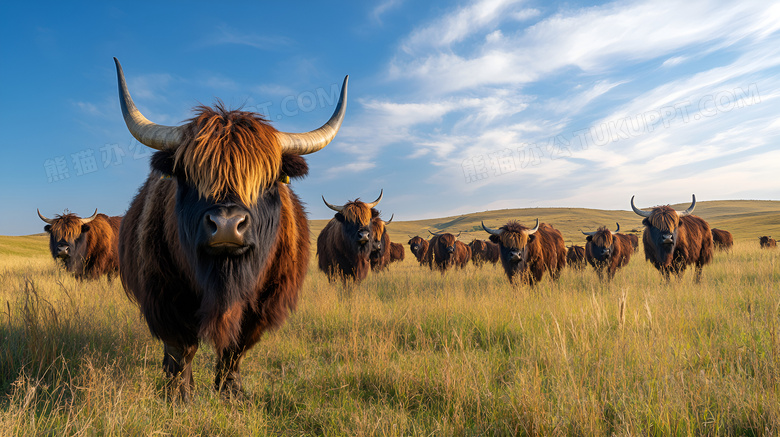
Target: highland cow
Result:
[[397, 252], [419, 247], [380, 244], [575, 257], [767, 242], [483, 251], [528, 253], [344, 245], [215, 245], [722, 240], [445, 252], [607, 250], [87, 247], [675, 239]]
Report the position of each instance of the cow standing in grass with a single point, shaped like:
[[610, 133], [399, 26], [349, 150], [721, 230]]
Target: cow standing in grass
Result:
[[528, 253], [607, 250], [419, 247], [87, 247], [215, 245], [675, 239], [722, 240], [397, 252], [575, 257], [767, 242], [445, 252], [344, 245], [483, 251]]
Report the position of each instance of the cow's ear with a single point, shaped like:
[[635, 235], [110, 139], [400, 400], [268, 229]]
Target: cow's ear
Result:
[[47, 228], [340, 217], [494, 238], [294, 166], [531, 237], [646, 222], [162, 162], [374, 213], [84, 228], [589, 238]]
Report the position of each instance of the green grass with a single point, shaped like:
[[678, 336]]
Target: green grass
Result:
[[412, 352]]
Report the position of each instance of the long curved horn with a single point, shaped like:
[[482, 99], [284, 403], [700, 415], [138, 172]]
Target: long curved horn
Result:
[[47, 220], [310, 142], [639, 211], [147, 133], [489, 230], [536, 228], [374, 203], [588, 233], [690, 208], [333, 207], [618, 228], [436, 234], [84, 221], [391, 219]]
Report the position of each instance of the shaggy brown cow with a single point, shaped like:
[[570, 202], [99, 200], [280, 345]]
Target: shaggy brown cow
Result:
[[607, 250], [767, 242], [674, 239], [529, 252], [575, 257], [218, 248], [397, 252], [445, 252], [722, 240], [380, 244], [419, 247], [483, 251], [88, 246], [344, 245]]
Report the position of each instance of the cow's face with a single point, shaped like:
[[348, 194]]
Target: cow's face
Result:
[[662, 227], [513, 245], [65, 233], [602, 244], [377, 231], [446, 245], [355, 218], [415, 243]]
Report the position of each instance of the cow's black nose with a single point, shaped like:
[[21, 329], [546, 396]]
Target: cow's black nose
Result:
[[63, 250], [363, 237], [226, 226]]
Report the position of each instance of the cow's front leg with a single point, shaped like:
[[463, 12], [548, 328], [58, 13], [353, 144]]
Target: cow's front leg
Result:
[[228, 375], [177, 365]]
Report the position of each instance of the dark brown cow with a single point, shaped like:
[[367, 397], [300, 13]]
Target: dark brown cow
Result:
[[767, 242], [575, 257], [344, 245], [380, 244], [529, 252], [674, 239], [483, 251], [397, 252], [607, 250], [88, 246], [218, 249], [722, 240], [419, 247], [445, 252], [634, 239]]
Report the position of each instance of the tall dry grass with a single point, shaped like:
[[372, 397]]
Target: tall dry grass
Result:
[[412, 352]]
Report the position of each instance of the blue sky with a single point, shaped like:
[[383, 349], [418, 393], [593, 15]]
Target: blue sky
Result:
[[453, 107]]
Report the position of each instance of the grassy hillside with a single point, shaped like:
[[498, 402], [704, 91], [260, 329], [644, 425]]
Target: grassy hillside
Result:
[[745, 219]]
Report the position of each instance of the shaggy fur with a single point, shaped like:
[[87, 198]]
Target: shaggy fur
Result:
[[340, 254], [575, 257], [445, 252], [188, 293], [380, 251], [419, 247], [634, 239], [722, 240], [767, 242], [483, 251], [692, 242], [92, 248], [397, 252], [607, 250], [529, 256]]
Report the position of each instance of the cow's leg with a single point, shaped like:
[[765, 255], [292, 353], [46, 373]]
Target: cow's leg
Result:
[[228, 375], [177, 365], [697, 271]]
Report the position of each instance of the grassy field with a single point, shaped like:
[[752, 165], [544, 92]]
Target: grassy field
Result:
[[411, 352]]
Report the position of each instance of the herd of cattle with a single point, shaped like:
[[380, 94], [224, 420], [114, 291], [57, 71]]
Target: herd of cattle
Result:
[[215, 245]]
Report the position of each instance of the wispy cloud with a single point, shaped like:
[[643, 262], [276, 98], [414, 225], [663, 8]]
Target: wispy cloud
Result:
[[227, 35]]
